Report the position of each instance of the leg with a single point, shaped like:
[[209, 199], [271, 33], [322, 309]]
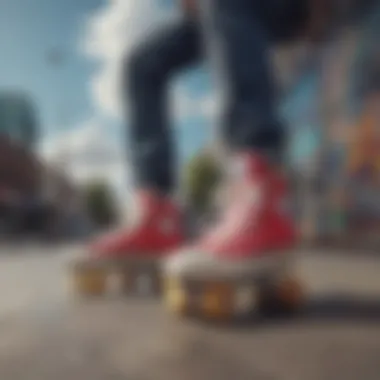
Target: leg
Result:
[[238, 37], [135, 251], [242, 264], [148, 72]]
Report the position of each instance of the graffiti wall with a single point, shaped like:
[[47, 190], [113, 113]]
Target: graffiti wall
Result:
[[353, 135], [335, 125]]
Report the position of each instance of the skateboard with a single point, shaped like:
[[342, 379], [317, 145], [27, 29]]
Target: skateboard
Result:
[[266, 290]]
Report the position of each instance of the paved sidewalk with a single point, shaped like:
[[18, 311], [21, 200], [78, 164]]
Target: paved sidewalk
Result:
[[46, 334]]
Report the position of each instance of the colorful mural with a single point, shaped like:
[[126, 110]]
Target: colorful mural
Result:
[[363, 169], [334, 115], [352, 152]]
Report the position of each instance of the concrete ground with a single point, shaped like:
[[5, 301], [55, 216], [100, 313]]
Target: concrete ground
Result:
[[45, 334]]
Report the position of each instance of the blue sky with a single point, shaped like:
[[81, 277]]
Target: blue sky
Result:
[[29, 30], [77, 99]]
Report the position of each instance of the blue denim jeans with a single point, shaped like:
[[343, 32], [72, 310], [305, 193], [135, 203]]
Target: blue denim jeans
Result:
[[235, 35]]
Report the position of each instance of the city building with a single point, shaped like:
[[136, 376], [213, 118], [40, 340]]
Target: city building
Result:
[[19, 166], [33, 196], [18, 119]]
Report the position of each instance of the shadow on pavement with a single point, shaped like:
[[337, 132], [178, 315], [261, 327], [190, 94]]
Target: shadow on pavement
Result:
[[327, 309], [343, 307]]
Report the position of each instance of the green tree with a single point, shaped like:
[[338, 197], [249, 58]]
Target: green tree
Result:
[[99, 203], [202, 176]]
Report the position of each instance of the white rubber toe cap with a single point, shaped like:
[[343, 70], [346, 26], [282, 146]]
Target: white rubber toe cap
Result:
[[188, 262], [194, 263]]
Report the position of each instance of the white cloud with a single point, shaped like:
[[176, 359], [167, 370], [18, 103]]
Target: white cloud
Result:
[[88, 151]]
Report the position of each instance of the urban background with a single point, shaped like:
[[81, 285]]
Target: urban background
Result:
[[331, 103], [65, 176]]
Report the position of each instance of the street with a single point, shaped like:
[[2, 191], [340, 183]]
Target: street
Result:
[[48, 334]]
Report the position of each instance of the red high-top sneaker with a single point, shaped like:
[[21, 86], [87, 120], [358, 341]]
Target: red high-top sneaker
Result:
[[156, 229], [254, 231]]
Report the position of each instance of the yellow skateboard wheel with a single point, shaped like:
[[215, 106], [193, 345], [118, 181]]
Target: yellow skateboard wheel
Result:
[[290, 293], [89, 281], [217, 301], [176, 297]]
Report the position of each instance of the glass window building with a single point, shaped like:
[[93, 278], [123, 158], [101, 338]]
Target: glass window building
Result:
[[18, 119]]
